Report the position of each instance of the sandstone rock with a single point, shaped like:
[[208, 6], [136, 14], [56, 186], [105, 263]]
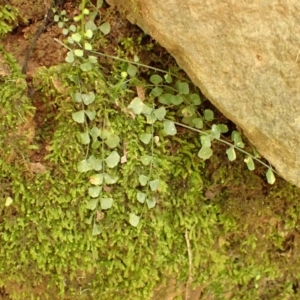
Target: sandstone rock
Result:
[[245, 57]]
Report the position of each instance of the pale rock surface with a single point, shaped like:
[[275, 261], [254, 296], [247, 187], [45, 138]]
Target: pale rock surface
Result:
[[245, 57]]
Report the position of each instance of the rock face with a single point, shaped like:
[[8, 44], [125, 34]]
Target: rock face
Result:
[[245, 57]]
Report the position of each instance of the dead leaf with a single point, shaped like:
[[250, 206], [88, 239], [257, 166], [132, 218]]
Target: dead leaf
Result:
[[213, 191], [124, 157], [222, 241], [107, 189], [58, 85], [99, 215], [140, 92], [37, 168]]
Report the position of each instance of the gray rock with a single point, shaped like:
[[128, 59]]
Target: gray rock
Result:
[[245, 57]]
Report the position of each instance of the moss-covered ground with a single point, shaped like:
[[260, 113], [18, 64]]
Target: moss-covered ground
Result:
[[215, 231]]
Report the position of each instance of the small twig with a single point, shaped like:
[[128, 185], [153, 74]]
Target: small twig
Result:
[[42, 28], [82, 291], [190, 257], [62, 44], [134, 63]]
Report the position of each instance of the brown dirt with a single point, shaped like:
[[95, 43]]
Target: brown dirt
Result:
[[3, 294], [46, 52]]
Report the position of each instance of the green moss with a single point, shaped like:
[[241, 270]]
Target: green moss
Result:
[[16, 114], [215, 223], [8, 17]]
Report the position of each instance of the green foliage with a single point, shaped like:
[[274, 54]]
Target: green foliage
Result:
[[16, 112], [8, 18], [128, 196], [80, 32]]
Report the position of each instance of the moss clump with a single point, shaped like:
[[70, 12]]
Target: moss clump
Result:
[[8, 19], [16, 120]]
